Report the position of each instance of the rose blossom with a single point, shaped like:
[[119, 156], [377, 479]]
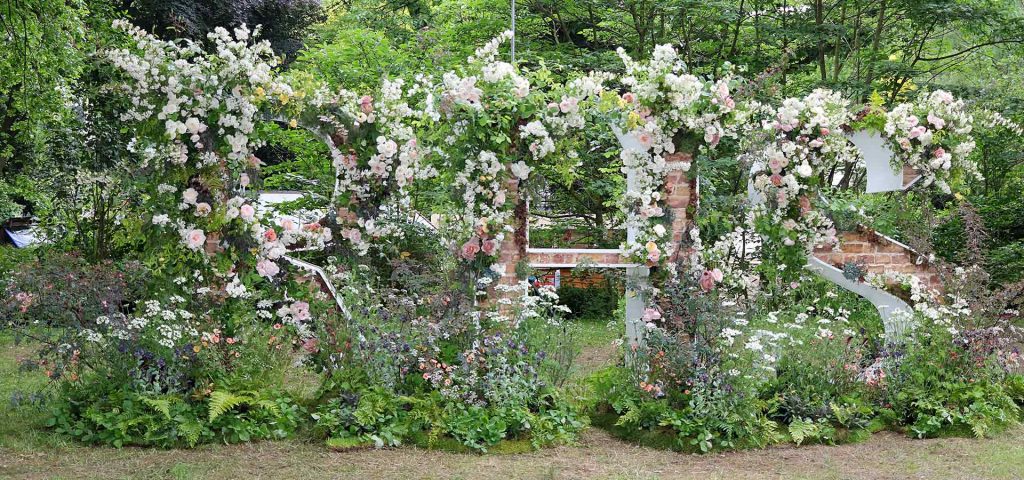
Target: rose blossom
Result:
[[651, 314], [366, 104], [489, 246], [707, 282], [203, 209], [195, 239], [267, 268], [247, 213], [470, 248], [190, 196], [300, 311]]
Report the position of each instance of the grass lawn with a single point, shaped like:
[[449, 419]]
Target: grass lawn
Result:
[[29, 451]]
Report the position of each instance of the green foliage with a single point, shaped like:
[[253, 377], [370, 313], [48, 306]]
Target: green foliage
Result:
[[594, 302], [92, 413], [380, 418], [941, 389]]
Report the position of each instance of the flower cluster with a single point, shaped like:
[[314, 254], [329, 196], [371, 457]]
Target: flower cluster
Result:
[[932, 135]]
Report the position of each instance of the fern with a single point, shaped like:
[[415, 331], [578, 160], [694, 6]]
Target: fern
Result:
[[268, 405], [802, 430], [191, 430], [160, 405], [221, 402]]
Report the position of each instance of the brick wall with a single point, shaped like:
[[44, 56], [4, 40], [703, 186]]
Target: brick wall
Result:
[[879, 254]]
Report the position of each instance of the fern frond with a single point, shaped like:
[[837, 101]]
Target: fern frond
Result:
[[221, 402], [160, 405]]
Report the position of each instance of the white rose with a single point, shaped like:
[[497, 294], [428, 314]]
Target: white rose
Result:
[[521, 170], [190, 196]]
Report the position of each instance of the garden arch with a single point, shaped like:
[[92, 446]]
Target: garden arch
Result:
[[680, 191]]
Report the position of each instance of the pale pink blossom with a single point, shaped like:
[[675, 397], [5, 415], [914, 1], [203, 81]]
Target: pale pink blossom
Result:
[[267, 268], [195, 239], [489, 246], [247, 212], [706, 281], [190, 196]]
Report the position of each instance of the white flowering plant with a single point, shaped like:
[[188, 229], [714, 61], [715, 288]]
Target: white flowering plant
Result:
[[933, 136]]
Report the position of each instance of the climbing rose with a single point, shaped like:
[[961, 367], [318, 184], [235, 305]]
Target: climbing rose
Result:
[[470, 248], [267, 268], [195, 239], [247, 213]]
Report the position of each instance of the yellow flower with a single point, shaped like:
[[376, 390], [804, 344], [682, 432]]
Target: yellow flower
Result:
[[294, 123], [196, 349], [283, 97], [404, 255], [633, 120], [652, 247], [260, 91]]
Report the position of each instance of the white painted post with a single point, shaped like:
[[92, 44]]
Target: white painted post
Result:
[[637, 285]]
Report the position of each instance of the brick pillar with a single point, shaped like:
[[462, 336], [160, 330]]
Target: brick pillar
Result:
[[513, 247], [678, 193]]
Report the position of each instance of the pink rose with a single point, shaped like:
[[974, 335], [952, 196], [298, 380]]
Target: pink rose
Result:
[[645, 139], [310, 345], [653, 257], [629, 97], [247, 213], [939, 152], [805, 204], [825, 131], [267, 268], [195, 239], [651, 314], [776, 179], [489, 247], [190, 196], [717, 275], [471, 248], [270, 235]]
